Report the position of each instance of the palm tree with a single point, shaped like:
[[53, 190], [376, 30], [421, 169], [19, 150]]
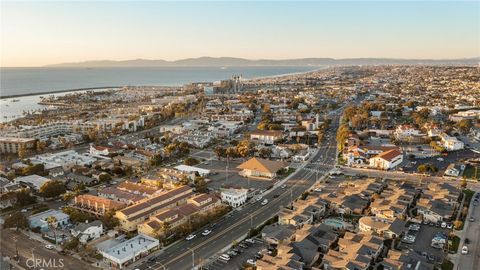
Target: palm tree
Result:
[[52, 223]]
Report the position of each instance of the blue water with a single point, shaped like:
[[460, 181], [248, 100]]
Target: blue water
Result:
[[18, 81]]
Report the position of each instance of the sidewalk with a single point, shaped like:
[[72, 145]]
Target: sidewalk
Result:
[[457, 256]]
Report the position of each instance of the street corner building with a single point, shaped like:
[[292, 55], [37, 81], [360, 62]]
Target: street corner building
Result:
[[261, 168], [128, 251]]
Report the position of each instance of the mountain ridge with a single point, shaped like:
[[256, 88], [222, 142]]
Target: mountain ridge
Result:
[[207, 61]]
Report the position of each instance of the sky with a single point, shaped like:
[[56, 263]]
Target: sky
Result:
[[41, 33]]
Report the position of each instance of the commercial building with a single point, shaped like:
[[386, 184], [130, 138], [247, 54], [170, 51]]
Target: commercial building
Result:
[[234, 196], [126, 252], [387, 160], [266, 136], [133, 215], [451, 143], [262, 168], [40, 220], [33, 181]]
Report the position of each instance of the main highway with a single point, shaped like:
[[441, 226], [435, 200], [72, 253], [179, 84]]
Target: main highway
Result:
[[184, 254]]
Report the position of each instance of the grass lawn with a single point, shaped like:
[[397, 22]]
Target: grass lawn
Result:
[[469, 172]]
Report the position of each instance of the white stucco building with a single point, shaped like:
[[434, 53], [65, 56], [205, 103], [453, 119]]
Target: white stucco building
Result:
[[234, 197]]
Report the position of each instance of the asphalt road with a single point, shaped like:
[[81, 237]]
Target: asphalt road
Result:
[[472, 232], [227, 230], [34, 255]]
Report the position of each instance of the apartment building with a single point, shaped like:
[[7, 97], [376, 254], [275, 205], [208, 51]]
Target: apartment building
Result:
[[133, 215], [96, 205], [355, 251], [11, 145], [174, 217], [266, 136]]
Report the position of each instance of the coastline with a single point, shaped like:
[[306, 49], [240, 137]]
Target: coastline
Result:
[[316, 68], [58, 91]]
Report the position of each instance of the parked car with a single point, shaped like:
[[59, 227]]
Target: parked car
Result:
[[250, 240], [49, 247], [471, 219], [464, 250], [444, 224], [225, 257], [252, 262]]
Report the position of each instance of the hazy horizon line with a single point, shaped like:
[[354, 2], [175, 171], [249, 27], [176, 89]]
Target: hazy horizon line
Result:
[[238, 58]]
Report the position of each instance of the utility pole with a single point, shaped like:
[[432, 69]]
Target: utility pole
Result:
[[226, 171], [193, 258], [291, 197]]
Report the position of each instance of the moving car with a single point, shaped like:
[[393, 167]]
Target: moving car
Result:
[[206, 232], [464, 250], [264, 202], [471, 219], [284, 186], [190, 237]]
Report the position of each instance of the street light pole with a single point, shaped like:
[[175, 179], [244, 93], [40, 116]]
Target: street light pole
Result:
[[291, 196], [193, 258]]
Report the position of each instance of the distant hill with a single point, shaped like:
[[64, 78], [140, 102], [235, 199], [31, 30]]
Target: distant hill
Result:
[[239, 62]]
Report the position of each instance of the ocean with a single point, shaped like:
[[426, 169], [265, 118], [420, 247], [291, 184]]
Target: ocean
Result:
[[28, 81], [21, 81]]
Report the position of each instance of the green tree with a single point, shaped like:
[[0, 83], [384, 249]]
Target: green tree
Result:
[[109, 220], [24, 197], [52, 189], [191, 161], [104, 177], [156, 160], [265, 152], [465, 125], [16, 220], [72, 244], [220, 152], [200, 184]]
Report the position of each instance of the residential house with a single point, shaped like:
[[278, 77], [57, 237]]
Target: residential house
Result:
[[87, 231]]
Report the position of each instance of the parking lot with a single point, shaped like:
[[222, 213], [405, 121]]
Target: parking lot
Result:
[[423, 240], [219, 177], [440, 162], [238, 261]]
